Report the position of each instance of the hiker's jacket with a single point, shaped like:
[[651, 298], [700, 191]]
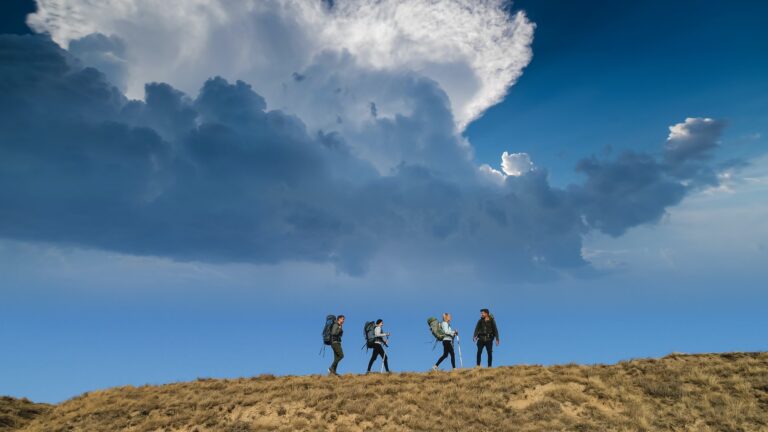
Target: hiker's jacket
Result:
[[486, 330], [449, 333], [336, 332], [379, 336]]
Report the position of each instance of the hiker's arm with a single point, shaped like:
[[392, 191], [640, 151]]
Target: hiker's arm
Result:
[[335, 329], [477, 331], [496, 332]]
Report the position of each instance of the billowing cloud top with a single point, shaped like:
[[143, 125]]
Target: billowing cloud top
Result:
[[475, 49]]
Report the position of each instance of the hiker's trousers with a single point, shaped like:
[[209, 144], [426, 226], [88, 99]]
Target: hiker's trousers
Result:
[[378, 350], [447, 350], [338, 354], [488, 345]]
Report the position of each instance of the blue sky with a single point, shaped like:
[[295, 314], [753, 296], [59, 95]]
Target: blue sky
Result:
[[204, 227], [614, 74]]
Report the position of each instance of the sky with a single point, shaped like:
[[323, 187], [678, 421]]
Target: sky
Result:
[[187, 191]]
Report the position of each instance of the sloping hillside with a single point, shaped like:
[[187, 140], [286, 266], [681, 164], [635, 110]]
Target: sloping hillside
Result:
[[713, 392], [17, 413]]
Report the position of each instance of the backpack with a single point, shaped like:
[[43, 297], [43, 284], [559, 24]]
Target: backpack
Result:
[[493, 320], [369, 330], [435, 328], [329, 320]]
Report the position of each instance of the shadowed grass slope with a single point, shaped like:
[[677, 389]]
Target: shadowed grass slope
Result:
[[709, 392], [17, 413]]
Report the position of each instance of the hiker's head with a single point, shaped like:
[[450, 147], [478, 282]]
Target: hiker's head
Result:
[[340, 319], [379, 322], [446, 316], [484, 313]]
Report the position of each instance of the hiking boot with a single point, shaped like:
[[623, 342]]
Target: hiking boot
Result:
[[332, 372], [435, 368]]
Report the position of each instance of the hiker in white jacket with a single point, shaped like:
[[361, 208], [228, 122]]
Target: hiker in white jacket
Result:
[[447, 341], [380, 340]]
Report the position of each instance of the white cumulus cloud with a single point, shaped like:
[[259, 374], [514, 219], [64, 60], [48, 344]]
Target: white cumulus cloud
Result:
[[475, 49], [516, 164], [512, 165]]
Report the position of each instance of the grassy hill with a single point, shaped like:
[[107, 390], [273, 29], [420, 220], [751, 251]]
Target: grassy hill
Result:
[[17, 413], [709, 392]]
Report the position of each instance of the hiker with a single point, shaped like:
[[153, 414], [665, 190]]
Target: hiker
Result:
[[485, 333], [447, 341], [379, 342], [337, 331]]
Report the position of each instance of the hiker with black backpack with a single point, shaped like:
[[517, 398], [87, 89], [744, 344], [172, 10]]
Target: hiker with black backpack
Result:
[[448, 335], [378, 344], [485, 333], [332, 336]]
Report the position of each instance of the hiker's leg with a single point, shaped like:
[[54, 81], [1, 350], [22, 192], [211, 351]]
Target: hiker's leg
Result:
[[373, 356], [386, 359], [335, 357], [453, 356], [489, 348], [338, 354], [442, 357], [380, 351], [446, 349], [479, 350]]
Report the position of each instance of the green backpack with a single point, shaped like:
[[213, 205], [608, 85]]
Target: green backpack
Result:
[[435, 328]]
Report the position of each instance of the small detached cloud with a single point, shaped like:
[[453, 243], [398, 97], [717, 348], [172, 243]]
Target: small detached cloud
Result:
[[512, 164], [694, 139], [516, 164]]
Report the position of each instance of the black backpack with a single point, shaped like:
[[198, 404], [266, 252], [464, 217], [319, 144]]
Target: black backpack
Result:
[[329, 320], [369, 330]]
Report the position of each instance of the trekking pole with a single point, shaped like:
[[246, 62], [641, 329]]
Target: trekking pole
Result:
[[458, 345], [383, 359]]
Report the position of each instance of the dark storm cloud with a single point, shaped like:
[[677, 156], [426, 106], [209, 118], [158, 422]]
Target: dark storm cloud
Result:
[[81, 164], [219, 177], [693, 139], [637, 188], [625, 192]]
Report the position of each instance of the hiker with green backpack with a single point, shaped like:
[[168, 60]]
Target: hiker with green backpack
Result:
[[376, 339], [445, 334], [485, 333]]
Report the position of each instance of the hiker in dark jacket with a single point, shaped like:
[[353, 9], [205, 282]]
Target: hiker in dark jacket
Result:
[[337, 331], [379, 342], [485, 333]]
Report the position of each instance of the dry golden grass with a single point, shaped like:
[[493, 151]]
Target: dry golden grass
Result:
[[16, 413], [710, 392]]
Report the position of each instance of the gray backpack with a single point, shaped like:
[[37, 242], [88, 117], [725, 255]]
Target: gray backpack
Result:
[[435, 328], [329, 320]]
